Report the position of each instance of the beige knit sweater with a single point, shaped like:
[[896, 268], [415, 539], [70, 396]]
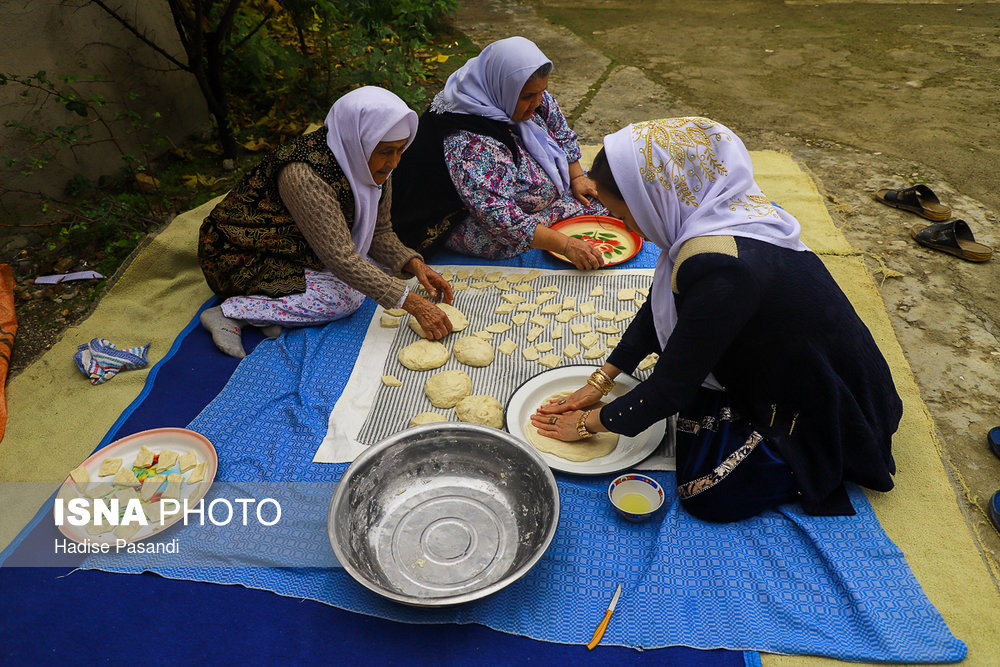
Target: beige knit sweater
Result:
[[318, 215]]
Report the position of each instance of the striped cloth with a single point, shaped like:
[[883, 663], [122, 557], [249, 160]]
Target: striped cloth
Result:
[[392, 407], [100, 360]]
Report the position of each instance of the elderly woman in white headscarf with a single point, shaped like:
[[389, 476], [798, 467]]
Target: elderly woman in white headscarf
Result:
[[495, 164], [782, 393], [305, 236]]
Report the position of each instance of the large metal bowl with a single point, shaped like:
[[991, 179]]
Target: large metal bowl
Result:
[[443, 514]]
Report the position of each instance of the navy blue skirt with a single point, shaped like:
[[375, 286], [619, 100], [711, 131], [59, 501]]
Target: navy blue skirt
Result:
[[726, 470]]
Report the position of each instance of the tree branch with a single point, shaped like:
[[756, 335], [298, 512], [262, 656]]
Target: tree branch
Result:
[[128, 26], [197, 29], [260, 25], [176, 13], [225, 25], [117, 47]]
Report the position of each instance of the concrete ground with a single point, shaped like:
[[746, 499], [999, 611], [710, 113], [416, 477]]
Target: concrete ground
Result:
[[865, 95]]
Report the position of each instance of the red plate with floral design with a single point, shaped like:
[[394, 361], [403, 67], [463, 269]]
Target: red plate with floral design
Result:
[[616, 243]]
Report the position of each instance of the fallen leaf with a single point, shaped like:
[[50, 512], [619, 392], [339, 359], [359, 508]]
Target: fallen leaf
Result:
[[146, 183], [254, 144], [199, 180], [183, 154]]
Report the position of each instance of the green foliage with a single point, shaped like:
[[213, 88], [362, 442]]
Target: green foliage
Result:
[[407, 19], [103, 220], [89, 121], [316, 50], [285, 62]]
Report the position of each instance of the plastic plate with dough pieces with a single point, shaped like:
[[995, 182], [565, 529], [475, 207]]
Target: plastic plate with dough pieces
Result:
[[526, 399], [180, 440], [616, 243]]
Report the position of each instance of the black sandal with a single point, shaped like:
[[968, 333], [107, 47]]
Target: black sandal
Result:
[[918, 199], [954, 238]]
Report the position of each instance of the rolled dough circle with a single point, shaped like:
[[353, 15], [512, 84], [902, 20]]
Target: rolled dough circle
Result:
[[427, 418], [423, 355], [480, 409], [447, 388], [596, 446], [473, 351], [458, 320]]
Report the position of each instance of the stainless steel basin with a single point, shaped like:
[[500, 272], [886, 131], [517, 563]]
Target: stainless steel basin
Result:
[[444, 513]]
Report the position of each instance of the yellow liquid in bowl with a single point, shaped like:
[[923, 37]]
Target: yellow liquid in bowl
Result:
[[635, 503]]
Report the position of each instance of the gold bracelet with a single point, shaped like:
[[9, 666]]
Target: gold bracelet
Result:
[[602, 385], [596, 385], [600, 381], [581, 425]]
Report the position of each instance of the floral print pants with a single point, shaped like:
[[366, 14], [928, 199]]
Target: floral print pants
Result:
[[327, 298]]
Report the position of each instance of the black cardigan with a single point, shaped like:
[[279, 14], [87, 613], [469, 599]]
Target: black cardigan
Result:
[[425, 204], [775, 329]]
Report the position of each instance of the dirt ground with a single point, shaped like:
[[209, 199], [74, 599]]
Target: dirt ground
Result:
[[865, 95]]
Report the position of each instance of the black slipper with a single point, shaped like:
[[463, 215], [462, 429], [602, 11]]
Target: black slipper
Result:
[[954, 238], [918, 199]]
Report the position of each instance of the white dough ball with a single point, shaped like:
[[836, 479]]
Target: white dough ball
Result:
[[423, 355], [480, 409], [458, 320], [473, 351], [427, 418], [447, 388]]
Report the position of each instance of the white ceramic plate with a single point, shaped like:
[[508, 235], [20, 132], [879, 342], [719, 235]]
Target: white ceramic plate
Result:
[[179, 440], [526, 399]]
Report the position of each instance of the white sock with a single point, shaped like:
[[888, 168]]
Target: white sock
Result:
[[226, 332]]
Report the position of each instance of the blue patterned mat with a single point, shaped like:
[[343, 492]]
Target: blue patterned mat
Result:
[[783, 582]]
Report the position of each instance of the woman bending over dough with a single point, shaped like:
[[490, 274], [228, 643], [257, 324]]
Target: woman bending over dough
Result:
[[305, 236], [781, 391]]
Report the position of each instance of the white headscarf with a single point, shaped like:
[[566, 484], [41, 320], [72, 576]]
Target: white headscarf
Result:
[[490, 84], [688, 177], [357, 122]]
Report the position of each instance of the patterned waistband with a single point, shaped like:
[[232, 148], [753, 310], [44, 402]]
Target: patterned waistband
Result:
[[693, 426], [721, 471]]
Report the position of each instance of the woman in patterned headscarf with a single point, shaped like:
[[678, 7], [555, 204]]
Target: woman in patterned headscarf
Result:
[[494, 164], [782, 393], [304, 237]]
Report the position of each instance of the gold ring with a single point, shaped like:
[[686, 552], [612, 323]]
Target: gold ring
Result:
[[553, 419]]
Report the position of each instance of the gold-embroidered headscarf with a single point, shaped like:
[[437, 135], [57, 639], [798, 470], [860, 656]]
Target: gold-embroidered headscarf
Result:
[[688, 177]]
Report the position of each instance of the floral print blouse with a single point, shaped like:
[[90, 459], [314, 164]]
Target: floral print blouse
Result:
[[507, 200]]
